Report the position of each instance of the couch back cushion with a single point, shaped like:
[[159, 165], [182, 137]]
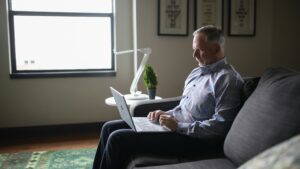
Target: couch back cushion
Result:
[[270, 115], [250, 83]]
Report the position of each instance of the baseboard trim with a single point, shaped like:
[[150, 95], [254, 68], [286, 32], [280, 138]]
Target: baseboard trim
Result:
[[50, 130]]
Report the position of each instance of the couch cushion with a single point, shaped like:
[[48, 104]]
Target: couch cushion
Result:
[[285, 155], [203, 164], [270, 115], [144, 160], [249, 86]]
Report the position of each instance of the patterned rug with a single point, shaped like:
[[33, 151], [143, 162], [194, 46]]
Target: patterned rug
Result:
[[62, 159]]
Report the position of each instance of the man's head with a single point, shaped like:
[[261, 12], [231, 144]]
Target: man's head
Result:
[[208, 45]]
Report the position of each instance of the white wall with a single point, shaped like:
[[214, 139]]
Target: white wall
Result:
[[251, 55], [286, 34], [46, 101]]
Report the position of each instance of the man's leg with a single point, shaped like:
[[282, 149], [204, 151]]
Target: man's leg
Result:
[[124, 144], [107, 129]]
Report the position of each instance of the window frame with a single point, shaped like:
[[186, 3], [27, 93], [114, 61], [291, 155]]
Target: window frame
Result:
[[14, 73]]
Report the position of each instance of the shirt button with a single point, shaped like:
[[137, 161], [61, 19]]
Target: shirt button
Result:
[[194, 85]]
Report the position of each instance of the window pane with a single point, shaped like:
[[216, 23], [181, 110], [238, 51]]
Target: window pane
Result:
[[97, 6], [54, 42]]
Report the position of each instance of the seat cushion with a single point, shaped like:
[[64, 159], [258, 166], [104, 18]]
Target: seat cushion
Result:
[[270, 115], [203, 164], [144, 160]]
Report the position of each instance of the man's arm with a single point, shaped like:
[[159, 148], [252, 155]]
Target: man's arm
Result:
[[227, 99], [154, 115]]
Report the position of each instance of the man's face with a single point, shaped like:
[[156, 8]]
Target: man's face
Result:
[[204, 52]]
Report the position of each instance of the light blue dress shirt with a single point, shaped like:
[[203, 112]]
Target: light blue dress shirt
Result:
[[210, 100]]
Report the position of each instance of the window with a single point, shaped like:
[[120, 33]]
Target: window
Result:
[[61, 37]]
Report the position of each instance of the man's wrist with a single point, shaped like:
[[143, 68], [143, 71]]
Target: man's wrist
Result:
[[182, 127]]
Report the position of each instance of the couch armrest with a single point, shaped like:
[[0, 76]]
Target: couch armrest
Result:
[[142, 108]]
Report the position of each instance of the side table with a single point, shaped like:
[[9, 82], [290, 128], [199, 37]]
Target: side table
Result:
[[111, 101]]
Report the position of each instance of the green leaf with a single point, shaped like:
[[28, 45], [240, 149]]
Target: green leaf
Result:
[[150, 78]]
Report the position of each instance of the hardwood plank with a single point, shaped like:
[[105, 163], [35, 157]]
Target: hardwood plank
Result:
[[49, 138]]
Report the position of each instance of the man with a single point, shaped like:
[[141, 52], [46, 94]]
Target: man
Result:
[[209, 103]]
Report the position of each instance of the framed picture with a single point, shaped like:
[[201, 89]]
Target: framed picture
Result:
[[173, 17], [242, 17], [208, 12]]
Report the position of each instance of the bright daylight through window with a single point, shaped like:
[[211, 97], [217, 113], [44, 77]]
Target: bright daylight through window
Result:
[[61, 37]]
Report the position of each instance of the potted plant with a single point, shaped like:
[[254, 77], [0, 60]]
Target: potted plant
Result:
[[150, 81]]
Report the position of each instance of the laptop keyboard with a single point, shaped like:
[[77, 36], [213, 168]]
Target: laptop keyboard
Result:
[[143, 124]]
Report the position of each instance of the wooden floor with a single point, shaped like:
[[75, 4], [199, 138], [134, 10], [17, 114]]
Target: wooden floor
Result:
[[59, 141]]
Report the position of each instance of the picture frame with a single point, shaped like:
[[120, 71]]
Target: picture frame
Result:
[[208, 12], [242, 18], [173, 17]]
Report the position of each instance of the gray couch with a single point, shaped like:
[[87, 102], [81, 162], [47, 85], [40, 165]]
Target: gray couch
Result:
[[270, 114]]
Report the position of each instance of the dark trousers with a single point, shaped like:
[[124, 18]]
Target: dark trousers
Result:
[[118, 143]]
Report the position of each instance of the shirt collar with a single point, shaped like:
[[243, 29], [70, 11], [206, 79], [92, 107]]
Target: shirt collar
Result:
[[213, 67]]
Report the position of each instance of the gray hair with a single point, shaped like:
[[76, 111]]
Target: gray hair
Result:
[[213, 34]]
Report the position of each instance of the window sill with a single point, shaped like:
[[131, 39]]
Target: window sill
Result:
[[20, 75]]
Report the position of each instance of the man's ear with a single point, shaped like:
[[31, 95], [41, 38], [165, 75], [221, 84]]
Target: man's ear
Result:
[[217, 47]]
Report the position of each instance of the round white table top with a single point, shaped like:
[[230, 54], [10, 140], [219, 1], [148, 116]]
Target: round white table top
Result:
[[111, 101]]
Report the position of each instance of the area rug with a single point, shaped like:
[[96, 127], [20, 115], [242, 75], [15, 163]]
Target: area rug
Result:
[[62, 159]]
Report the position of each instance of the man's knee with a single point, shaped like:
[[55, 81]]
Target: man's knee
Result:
[[110, 126], [120, 138], [105, 127]]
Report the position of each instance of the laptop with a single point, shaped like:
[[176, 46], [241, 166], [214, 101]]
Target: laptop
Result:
[[138, 124]]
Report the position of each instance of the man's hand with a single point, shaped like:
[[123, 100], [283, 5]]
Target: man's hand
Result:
[[154, 115], [168, 121]]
